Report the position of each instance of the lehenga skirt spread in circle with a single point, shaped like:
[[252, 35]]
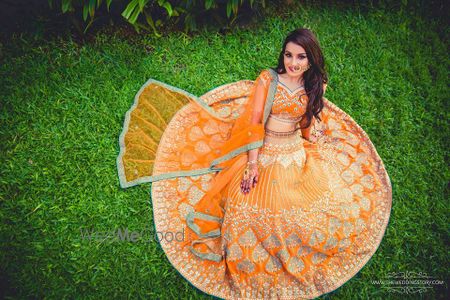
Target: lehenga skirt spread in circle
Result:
[[313, 220]]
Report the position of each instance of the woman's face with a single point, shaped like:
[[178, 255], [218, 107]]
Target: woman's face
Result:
[[295, 59]]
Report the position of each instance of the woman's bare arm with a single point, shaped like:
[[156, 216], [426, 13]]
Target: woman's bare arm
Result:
[[251, 173], [258, 111]]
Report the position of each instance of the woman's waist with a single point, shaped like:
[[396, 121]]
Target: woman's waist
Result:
[[288, 140], [282, 131]]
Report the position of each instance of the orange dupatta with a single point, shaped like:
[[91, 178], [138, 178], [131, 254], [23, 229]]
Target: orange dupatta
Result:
[[145, 125], [247, 133]]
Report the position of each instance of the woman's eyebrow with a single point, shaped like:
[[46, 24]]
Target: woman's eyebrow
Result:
[[291, 53]]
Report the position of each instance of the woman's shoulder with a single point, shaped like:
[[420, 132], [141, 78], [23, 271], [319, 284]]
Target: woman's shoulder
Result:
[[266, 74]]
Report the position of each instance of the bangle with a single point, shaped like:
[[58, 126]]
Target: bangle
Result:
[[250, 162]]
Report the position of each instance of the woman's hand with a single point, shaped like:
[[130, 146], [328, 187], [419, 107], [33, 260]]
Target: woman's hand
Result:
[[250, 179]]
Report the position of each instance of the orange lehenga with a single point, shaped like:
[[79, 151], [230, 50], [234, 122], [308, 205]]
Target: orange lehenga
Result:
[[314, 219]]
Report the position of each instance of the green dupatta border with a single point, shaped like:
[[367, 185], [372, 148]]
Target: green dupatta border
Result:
[[212, 168]]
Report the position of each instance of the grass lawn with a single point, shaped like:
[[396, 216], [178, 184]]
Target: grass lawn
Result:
[[63, 107]]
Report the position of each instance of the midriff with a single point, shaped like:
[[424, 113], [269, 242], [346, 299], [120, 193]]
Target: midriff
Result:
[[280, 126]]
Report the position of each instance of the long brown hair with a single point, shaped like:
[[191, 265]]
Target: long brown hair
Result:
[[314, 77]]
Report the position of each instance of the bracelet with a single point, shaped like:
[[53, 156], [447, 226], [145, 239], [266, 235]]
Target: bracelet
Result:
[[246, 173], [250, 162]]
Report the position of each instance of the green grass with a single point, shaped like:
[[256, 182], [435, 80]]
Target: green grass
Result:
[[63, 107]]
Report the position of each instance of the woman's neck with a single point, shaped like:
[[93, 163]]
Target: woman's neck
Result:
[[293, 80]]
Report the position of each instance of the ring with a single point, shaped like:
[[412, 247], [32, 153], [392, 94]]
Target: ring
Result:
[[246, 174]]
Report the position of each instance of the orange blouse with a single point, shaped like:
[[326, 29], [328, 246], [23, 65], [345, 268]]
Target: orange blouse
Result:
[[289, 104]]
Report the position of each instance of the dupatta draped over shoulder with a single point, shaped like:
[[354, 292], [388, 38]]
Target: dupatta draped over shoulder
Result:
[[219, 129], [227, 128]]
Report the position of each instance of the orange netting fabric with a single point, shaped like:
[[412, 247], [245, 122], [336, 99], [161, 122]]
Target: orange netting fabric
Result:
[[226, 122]]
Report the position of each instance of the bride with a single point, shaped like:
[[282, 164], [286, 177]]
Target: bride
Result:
[[279, 193]]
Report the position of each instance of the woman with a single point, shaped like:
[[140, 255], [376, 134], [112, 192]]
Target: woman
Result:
[[276, 191]]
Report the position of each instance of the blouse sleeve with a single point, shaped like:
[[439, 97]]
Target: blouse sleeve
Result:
[[259, 97]]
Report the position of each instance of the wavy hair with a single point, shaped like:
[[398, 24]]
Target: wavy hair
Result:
[[314, 77]]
